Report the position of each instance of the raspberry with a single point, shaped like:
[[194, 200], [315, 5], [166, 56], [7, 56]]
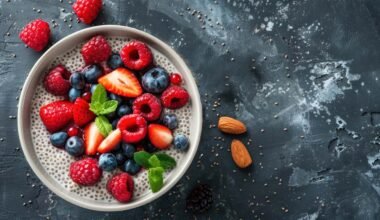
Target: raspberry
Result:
[[85, 172], [87, 10], [57, 81], [96, 50], [148, 106], [174, 97], [36, 34], [175, 79], [121, 187], [133, 128], [136, 55]]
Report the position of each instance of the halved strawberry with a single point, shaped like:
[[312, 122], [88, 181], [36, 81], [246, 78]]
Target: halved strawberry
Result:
[[110, 142], [92, 138], [160, 136], [81, 112], [121, 82]]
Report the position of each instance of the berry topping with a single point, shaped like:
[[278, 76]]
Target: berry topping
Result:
[[123, 110], [128, 150], [56, 115], [200, 199], [96, 50], [81, 112], [115, 61], [121, 187], [175, 79], [131, 167], [73, 131], [181, 142], [122, 82], [87, 10], [120, 158], [174, 97], [107, 162], [36, 34], [77, 81], [58, 139], [57, 81], [115, 97], [170, 121], [87, 96], [111, 142], [85, 172], [92, 138], [160, 136], [75, 146], [133, 128], [92, 73], [155, 80], [136, 55], [147, 105]]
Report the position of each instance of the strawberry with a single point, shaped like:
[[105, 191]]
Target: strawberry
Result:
[[36, 34], [110, 142], [122, 82], [87, 10], [56, 115], [81, 112], [92, 138], [160, 136]]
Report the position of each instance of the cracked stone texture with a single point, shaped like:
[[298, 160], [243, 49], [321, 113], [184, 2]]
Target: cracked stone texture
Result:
[[303, 75]]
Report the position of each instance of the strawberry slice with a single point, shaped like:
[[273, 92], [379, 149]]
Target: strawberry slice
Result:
[[92, 138], [81, 112], [160, 136], [110, 142], [56, 115], [122, 82]]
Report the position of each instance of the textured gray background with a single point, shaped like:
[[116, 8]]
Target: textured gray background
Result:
[[303, 75]]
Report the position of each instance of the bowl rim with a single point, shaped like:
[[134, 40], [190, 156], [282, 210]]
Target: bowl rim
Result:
[[23, 131]]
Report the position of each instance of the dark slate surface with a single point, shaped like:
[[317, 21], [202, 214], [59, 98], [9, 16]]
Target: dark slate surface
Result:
[[303, 75]]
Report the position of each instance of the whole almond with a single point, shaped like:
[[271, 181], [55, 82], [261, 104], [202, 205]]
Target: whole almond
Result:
[[240, 154], [231, 126]]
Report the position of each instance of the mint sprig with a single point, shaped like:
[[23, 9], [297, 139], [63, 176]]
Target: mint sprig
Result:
[[100, 106], [156, 164]]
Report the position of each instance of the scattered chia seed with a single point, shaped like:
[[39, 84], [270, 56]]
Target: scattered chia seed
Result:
[[24, 204], [22, 195], [262, 130], [39, 11], [285, 129], [12, 117], [232, 59], [30, 202]]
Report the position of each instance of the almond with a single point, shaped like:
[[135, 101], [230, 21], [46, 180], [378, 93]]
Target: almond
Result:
[[240, 154], [231, 126]]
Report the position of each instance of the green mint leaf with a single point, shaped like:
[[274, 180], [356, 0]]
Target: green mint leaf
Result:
[[108, 107], [156, 178], [96, 107], [103, 125], [141, 158], [166, 161], [154, 161], [99, 95]]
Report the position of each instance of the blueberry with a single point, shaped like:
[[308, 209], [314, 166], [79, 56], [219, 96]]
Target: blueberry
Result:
[[123, 110], [131, 167], [120, 158], [181, 142], [77, 81], [128, 150], [115, 97], [58, 139], [92, 73], [74, 146], [114, 123], [93, 87], [148, 147], [114, 61], [170, 121], [111, 115], [155, 80], [74, 94], [107, 162]]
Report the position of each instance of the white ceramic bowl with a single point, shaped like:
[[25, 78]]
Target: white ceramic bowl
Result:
[[34, 79]]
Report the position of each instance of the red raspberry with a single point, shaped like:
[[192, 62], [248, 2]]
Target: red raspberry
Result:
[[147, 105], [175, 79], [36, 34], [121, 187], [136, 55], [96, 50], [133, 128], [174, 97], [85, 172], [87, 10], [57, 81], [73, 131]]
